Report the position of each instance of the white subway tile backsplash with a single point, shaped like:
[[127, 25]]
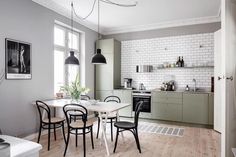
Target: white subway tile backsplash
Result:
[[196, 49]]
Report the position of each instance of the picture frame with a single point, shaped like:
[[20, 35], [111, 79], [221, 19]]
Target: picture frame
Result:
[[18, 58]]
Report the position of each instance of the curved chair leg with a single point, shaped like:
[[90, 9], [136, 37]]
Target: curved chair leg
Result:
[[98, 127], [76, 137], [49, 136], [67, 142], [63, 131], [39, 135], [91, 131], [84, 142], [137, 139], [54, 128], [111, 129], [117, 134]]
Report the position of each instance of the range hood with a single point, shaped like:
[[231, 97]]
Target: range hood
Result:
[[144, 68]]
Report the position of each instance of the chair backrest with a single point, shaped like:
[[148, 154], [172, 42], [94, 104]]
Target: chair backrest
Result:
[[41, 106], [81, 112], [84, 97], [137, 112], [112, 98]]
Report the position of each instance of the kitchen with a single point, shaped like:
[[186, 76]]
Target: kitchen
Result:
[[173, 75], [175, 59]]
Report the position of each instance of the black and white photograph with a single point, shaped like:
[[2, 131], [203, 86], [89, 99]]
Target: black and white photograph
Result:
[[18, 59]]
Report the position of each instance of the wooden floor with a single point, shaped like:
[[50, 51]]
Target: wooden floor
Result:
[[196, 142]]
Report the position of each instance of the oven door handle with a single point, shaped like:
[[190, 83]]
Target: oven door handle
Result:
[[138, 96]]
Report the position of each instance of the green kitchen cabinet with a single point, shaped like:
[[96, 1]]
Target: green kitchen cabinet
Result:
[[167, 111], [108, 76], [126, 97], [211, 108], [101, 95], [167, 105], [195, 108]]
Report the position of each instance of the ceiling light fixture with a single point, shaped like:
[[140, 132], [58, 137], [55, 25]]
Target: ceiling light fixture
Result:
[[72, 59], [98, 58]]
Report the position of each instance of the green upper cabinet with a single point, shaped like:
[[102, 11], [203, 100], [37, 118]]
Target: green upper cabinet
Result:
[[108, 76], [196, 108]]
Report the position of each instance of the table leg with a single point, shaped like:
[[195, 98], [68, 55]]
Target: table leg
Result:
[[102, 125]]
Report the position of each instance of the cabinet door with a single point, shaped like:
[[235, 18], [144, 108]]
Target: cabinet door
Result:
[[195, 108], [125, 97], [106, 45], [104, 74], [211, 109], [167, 111], [159, 110], [101, 95]]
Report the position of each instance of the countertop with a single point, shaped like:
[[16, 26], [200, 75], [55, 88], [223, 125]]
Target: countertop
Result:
[[199, 91], [183, 91]]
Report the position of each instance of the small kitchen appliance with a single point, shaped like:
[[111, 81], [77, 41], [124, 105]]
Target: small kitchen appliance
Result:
[[128, 83]]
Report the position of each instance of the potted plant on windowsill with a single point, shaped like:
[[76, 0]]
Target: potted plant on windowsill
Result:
[[74, 89]]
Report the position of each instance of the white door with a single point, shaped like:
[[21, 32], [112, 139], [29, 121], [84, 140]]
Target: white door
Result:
[[218, 73], [228, 139]]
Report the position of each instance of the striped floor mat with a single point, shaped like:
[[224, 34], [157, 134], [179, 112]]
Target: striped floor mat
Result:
[[160, 129], [153, 128]]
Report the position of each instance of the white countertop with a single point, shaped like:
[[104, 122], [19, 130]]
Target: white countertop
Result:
[[20, 147]]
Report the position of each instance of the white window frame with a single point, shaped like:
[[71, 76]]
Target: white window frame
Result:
[[66, 49]]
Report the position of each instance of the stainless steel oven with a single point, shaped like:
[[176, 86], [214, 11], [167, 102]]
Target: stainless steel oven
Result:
[[144, 96]]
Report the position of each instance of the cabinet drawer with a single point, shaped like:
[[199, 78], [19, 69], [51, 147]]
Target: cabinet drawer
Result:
[[167, 100], [167, 111], [164, 94]]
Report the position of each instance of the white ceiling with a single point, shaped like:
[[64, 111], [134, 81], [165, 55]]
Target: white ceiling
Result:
[[148, 14]]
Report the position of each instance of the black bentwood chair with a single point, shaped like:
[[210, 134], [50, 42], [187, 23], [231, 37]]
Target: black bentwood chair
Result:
[[49, 122], [73, 116], [133, 127], [112, 116], [80, 124]]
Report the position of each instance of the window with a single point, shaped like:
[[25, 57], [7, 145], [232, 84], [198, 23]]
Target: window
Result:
[[64, 42]]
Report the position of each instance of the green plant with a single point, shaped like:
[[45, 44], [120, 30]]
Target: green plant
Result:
[[74, 89]]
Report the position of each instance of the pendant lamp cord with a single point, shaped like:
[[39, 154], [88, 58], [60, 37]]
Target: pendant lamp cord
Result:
[[72, 24], [105, 1], [98, 19]]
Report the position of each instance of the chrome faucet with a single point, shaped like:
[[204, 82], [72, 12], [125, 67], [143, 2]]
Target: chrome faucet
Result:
[[195, 84]]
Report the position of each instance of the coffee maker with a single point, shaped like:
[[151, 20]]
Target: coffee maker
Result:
[[128, 83]]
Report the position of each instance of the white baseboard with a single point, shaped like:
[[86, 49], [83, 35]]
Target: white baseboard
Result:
[[45, 132]]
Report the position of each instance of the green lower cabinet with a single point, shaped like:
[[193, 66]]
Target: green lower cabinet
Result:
[[196, 108], [167, 111], [211, 108], [126, 97]]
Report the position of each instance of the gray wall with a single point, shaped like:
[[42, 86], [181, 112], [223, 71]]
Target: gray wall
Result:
[[27, 21], [165, 32]]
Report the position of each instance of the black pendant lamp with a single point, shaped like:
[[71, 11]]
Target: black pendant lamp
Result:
[[72, 59], [98, 58]]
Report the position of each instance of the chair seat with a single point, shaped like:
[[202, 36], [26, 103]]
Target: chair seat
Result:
[[80, 124], [124, 125], [54, 120]]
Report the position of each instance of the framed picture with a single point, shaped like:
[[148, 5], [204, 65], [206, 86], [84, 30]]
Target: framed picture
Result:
[[18, 59]]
